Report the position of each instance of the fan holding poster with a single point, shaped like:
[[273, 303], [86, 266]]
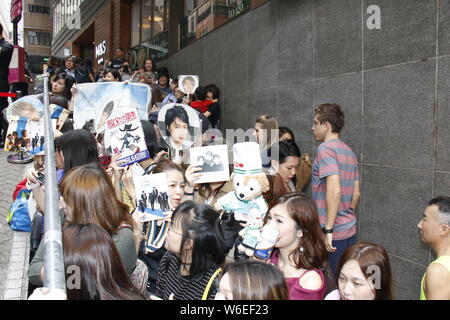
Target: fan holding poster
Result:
[[126, 137]]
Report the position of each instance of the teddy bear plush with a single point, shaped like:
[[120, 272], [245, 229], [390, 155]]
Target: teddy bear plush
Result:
[[246, 200]]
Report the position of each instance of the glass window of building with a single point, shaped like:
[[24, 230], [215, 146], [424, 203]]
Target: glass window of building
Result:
[[135, 23], [146, 32]]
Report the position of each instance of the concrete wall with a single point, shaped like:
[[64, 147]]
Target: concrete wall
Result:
[[286, 57]]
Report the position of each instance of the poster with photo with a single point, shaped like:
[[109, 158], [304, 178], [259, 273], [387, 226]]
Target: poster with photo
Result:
[[214, 163], [30, 107], [59, 114], [188, 83], [25, 135], [36, 136], [152, 196], [94, 103], [126, 136], [179, 124]]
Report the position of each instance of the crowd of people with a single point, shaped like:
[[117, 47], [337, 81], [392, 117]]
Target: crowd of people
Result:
[[316, 256]]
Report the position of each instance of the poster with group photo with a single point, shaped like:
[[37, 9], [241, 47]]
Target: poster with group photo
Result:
[[25, 135], [188, 83], [126, 136], [214, 163], [94, 103], [152, 196]]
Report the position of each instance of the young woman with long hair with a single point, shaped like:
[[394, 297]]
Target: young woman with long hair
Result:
[[154, 233], [284, 170], [364, 273], [88, 196], [300, 251], [195, 254], [103, 275]]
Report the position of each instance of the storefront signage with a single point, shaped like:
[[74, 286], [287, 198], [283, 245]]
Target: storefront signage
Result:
[[101, 49], [16, 11]]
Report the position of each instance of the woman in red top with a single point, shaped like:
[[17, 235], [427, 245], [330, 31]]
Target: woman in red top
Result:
[[300, 250]]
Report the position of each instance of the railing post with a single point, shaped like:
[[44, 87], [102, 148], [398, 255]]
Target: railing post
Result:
[[54, 275]]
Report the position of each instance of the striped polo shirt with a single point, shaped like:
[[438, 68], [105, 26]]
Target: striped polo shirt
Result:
[[336, 157]]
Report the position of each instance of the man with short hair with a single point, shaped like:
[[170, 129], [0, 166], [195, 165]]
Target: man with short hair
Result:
[[335, 182], [72, 69], [435, 232], [6, 52], [119, 60]]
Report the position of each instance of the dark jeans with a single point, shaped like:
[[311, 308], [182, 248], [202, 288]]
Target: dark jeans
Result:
[[340, 245]]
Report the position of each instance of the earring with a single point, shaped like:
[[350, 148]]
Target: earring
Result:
[[301, 249]]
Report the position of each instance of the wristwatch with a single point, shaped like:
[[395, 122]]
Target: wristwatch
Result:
[[325, 230]]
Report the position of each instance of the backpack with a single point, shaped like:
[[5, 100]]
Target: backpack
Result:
[[18, 216]]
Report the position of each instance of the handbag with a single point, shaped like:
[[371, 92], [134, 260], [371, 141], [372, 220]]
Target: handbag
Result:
[[303, 173]]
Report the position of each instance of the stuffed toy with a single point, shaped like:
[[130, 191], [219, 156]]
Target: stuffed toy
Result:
[[246, 199]]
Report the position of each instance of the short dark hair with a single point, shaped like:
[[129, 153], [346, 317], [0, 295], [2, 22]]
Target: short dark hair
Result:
[[166, 75], [68, 83], [332, 113], [176, 112], [201, 93], [443, 204], [284, 130], [288, 149], [214, 90], [115, 73], [150, 137]]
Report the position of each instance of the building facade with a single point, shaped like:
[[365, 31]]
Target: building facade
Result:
[[143, 28], [37, 36], [286, 57]]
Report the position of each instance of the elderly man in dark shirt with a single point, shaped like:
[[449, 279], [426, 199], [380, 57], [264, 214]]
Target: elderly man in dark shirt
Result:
[[6, 51]]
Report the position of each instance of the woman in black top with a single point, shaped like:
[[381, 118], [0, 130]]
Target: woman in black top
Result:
[[213, 113], [194, 254]]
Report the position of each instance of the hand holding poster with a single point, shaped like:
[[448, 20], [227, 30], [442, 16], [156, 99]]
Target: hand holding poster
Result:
[[214, 163], [126, 136], [152, 196]]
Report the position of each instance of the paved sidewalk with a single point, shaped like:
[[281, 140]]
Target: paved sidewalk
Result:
[[10, 175]]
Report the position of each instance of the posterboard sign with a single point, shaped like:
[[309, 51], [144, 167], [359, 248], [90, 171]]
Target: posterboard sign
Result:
[[25, 135], [30, 107], [96, 102], [59, 114], [188, 83], [152, 196], [126, 136], [214, 163]]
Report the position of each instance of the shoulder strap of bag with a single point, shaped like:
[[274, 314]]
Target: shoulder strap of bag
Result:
[[210, 282]]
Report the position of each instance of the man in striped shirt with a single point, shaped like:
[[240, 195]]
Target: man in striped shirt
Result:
[[335, 182]]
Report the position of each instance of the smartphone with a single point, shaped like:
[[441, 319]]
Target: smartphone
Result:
[[40, 178]]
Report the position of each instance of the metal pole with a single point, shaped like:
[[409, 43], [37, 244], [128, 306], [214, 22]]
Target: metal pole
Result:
[[53, 250], [15, 34]]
